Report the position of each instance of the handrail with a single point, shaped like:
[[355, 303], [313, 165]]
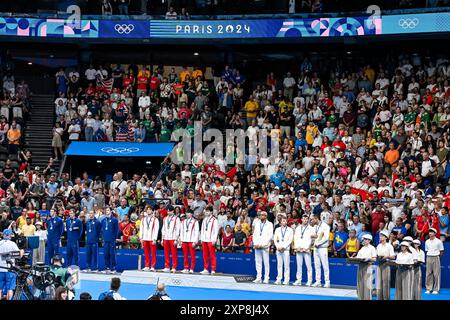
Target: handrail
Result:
[[275, 15]]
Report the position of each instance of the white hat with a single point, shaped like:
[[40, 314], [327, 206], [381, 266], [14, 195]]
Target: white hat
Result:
[[416, 241], [413, 185], [404, 243], [385, 233], [367, 236], [432, 230], [408, 238]]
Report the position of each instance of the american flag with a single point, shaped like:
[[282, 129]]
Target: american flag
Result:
[[122, 133], [105, 85]]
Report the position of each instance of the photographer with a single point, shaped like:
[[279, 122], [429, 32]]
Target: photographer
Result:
[[160, 293], [7, 279]]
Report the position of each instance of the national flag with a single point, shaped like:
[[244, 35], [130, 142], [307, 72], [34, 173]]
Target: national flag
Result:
[[365, 195], [105, 85], [122, 133]]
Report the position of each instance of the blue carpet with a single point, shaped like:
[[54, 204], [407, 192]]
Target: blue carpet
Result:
[[134, 291]]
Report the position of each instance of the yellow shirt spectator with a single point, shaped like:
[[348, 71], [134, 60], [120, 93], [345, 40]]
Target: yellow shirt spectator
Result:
[[285, 106], [311, 133], [252, 108], [28, 230], [370, 73], [21, 221], [14, 135], [245, 227], [197, 73], [144, 72], [183, 74]]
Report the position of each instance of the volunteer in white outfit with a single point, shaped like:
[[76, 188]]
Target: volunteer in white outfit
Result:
[[367, 254], [321, 236], [208, 236], [148, 232], [302, 247], [189, 239], [385, 251], [262, 239], [282, 239], [434, 249], [39, 253], [417, 277], [404, 276], [170, 236]]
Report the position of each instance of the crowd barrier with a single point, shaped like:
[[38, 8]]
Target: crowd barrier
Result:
[[341, 273]]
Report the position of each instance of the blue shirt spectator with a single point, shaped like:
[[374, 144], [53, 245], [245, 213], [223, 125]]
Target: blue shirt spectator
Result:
[[277, 178]]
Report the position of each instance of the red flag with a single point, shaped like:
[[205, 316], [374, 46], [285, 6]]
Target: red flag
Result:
[[231, 173], [365, 195]]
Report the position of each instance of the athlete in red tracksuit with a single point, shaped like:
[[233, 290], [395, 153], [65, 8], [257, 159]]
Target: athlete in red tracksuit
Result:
[[148, 232], [208, 236], [170, 237], [189, 239]]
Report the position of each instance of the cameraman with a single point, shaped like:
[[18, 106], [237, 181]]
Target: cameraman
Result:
[[61, 273], [7, 279]]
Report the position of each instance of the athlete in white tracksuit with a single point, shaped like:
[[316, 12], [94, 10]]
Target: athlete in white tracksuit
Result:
[[302, 247], [321, 235], [282, 239], [262, 239]]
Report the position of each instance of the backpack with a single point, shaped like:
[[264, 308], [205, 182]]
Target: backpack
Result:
[[105, 294]]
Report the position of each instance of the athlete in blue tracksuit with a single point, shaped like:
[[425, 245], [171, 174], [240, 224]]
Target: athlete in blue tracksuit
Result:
[[55, 230], [110, 231], [74, 228], [93, 231]]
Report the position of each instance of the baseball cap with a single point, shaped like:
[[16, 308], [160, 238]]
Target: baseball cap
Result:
[[7, 233]]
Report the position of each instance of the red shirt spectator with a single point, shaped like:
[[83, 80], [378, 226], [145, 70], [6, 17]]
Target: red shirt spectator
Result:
[[377, 217], [142, 82], [154, 82]]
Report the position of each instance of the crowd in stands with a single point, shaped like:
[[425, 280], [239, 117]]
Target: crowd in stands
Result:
[[14, 111], [366, 149]]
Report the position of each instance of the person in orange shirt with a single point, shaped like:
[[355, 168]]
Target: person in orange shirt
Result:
[[13, 135], [391, 158]]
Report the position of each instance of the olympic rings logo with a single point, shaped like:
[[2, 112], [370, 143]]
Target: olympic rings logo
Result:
[[124, 28], [176, 281], [408, 23], [121, 150]]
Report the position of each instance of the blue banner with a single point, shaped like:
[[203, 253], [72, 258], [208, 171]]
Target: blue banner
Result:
[[222, 29], [124, 28], [226, 29], [416, 23], [118, 149], [48, 28]]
